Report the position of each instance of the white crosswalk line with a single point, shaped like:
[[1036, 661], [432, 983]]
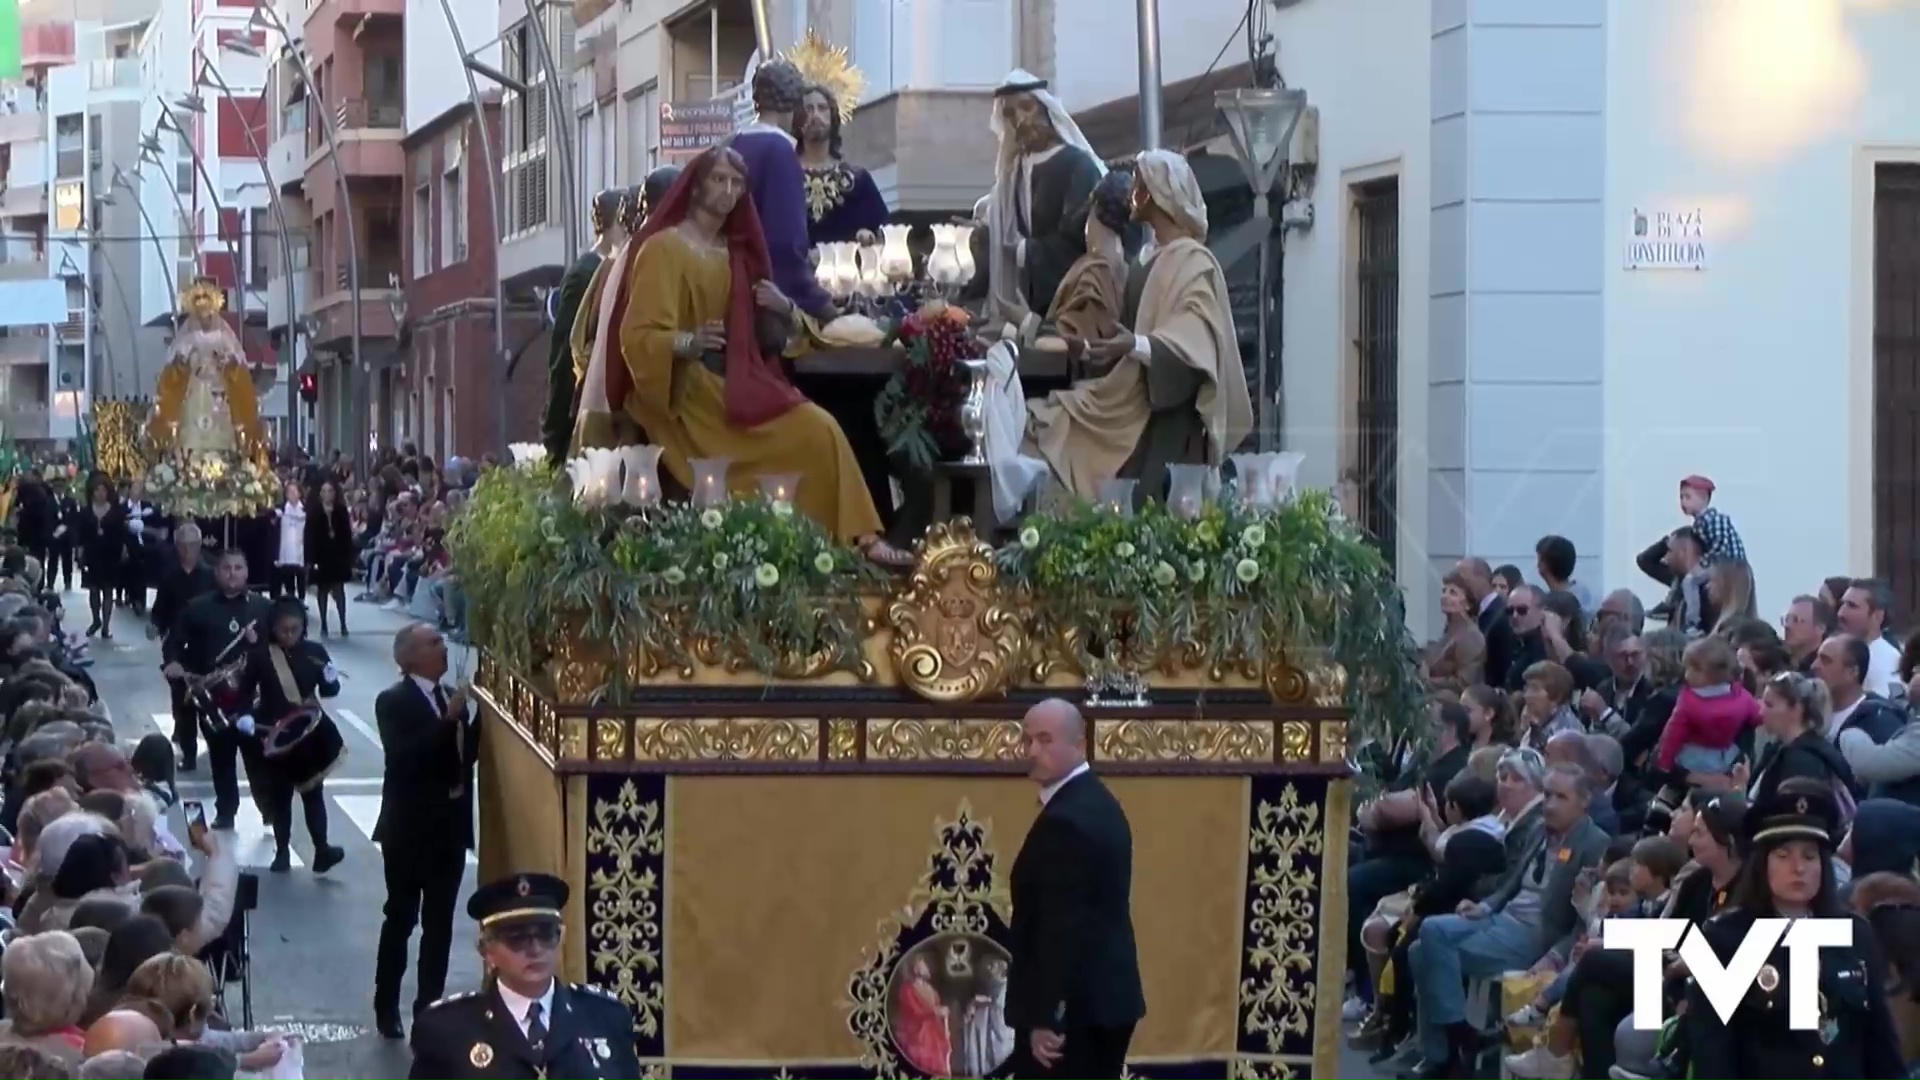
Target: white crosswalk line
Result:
[[163, 721], [365, 729], [253, 840], [364, 812]]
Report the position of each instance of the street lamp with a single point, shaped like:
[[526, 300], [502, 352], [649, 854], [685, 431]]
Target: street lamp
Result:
[[264, 18], [1260, 123], [468, 66], [169, 122], [210, 76]]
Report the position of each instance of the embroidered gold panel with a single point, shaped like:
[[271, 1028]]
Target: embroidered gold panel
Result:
[[776, 888]]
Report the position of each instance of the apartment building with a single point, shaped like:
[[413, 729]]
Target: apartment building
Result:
[[70, 311]]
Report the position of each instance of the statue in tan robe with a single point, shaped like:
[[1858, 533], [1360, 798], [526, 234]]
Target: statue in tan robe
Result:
[[1175, 391]]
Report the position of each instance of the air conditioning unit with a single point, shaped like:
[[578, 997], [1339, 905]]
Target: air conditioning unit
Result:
[[69, 380]]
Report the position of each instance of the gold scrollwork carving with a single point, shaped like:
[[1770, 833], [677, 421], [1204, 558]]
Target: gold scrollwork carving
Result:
[[1296, 741], [843, 739], [1287, 684], [959, 894], [573, 739], [1184, 740], [1333, 740], [626, 949], [1266, 1068], [725, 739], [955, 636], [1328, 680], [580, 667], [733, 657], [1277, 999], [943, 740], [610, 739]]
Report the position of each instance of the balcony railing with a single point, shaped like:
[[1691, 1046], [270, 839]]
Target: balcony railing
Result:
[[24, 421], [22, 125], [23, 269], [23, 345], [23, 199], [114, 74], [73, 328], [357, 113], [377, 272]]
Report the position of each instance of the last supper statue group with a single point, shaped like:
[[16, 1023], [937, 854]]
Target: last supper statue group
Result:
[[676, 329]]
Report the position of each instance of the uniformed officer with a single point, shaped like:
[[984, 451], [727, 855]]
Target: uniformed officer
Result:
[[524, 1022], [1787, 874], [213, 629]]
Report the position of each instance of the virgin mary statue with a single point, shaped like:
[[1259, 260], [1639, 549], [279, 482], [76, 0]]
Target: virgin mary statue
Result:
[[205, 404]]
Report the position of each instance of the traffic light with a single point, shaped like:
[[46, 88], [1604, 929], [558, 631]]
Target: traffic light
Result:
[[309, 388]]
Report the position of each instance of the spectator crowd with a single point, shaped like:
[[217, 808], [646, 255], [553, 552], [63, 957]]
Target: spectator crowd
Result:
[[1592, 759]]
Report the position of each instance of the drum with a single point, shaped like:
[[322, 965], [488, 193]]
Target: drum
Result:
[[304, 747], [216, 700]]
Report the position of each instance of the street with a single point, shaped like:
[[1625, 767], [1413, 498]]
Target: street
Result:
[[313, 937]]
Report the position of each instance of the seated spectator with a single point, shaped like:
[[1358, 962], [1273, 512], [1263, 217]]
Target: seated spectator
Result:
[[35, 815], [184, 986], [96, 867], [20, 1061], [1547, 704], [1572, 748], [130, 945], [191, 1062], [1714, 711], [93, 942], [1884, 838], [114, 1065], [1528, 917], [1638, 887], [44, 981], [178, 907], [121, 1029], [103, 914]]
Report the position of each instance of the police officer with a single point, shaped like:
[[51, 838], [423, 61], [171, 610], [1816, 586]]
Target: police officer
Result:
[[524, 1022], [1788, 874], [214, 629]]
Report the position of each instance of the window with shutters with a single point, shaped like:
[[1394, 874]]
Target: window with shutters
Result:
[[453, 200], [643, 133], [422, 230], [528, 168], [1375, 471], [262, 239]]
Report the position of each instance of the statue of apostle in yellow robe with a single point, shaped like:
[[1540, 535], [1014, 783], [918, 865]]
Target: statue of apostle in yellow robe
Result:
[[205, 402], [700, 331]]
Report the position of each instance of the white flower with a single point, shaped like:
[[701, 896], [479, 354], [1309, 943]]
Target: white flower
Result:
[[1196, 572], [1247, 570], [782, 509], [1124, 549], [1163, 574], [1207, 532], [720, 560], [711, 518], [823, 562], [1029, 538], [1253, 536], [673, 575], [766, 575]]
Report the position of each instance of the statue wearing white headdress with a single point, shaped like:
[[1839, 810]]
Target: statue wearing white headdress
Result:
[[1037, 213], [1174, 391]]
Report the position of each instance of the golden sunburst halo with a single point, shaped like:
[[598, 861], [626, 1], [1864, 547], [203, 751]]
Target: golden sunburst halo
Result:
[[827, 64]]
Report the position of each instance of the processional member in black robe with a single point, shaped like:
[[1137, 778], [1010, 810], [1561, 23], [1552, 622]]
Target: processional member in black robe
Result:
[[563, 385]]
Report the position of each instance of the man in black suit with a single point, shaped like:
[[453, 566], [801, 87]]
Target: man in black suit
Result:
[[1073, 994], [188, 578], [1503, 643], [425, 828]]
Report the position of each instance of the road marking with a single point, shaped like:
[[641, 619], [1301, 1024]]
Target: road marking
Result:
[[353, 720], [337, 783], [253, 840], [163, 721], [364, 812]]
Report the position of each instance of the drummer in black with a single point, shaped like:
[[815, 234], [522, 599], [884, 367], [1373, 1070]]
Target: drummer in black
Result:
[[285, 678], [524, 1022], [1788, 873], [202, 639]]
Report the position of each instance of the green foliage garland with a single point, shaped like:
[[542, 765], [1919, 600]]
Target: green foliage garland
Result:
[[753, 574], [1236, 581]]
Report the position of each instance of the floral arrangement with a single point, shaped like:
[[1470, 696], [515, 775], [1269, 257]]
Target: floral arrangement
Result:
[[751, 574], [1240, 583], [919, 409], [206, 485]]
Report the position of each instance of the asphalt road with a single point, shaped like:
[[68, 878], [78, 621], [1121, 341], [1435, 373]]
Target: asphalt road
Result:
[[313, 937]]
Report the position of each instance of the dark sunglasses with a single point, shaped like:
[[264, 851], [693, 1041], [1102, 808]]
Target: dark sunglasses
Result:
[[525, 939], [1519, 609]]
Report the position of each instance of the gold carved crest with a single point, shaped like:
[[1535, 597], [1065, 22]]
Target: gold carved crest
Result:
[[955, 638]]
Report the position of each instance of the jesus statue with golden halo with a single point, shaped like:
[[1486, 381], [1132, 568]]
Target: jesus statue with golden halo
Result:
[[211, 458]]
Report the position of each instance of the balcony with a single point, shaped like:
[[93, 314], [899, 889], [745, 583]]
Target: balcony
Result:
[[333, 313], [287, 159], [22, 346], [72, 330], [122, 73], [27, 269], [26, 125], [24, 421], [369, 133], [303, 292], [23, 200]]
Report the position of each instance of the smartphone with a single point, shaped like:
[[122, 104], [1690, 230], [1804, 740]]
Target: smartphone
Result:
[[196, 812]]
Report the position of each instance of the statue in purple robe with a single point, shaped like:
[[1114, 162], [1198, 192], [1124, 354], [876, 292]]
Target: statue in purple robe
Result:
[[843, 202], [778, 186]]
